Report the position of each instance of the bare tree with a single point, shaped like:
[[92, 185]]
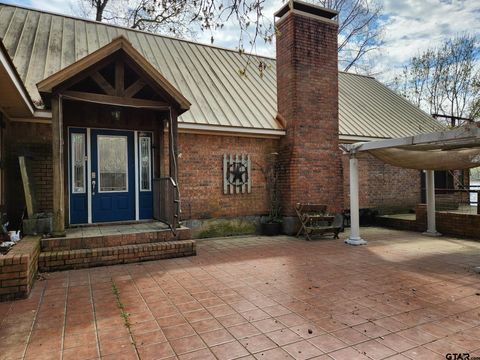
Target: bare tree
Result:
[[445, 80], [182, 18], [359, 30]]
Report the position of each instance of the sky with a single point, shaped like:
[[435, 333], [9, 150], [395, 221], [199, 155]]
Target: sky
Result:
[[410, 27]]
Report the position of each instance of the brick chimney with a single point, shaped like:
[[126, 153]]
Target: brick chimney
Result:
[[307, 97]]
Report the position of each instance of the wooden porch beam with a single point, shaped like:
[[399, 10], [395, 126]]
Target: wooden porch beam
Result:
[[58, 170], [115, 100], [119, 78], [103, 83], [133, 89]]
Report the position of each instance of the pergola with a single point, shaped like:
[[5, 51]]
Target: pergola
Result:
[[444, 150]]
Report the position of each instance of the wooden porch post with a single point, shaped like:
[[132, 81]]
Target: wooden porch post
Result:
[[58, 171], [173, 161], [159, 146], [173, 134]]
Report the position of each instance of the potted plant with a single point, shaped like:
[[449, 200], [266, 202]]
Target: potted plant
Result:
[[272, 225]]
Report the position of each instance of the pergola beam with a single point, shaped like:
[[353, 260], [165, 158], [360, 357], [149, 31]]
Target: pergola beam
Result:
[[464, 133]]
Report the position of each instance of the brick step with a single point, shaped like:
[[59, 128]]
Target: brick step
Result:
[[121, 254], [110, 240]]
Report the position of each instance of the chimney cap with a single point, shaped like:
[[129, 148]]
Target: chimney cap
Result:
[[307, 8]]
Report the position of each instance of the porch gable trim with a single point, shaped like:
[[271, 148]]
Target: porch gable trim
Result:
[[47, 85]]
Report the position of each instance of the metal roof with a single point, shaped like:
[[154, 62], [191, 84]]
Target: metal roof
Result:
[[41, 43]]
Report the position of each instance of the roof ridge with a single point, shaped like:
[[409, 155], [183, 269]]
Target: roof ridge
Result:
[[355, 74], [2, 3]]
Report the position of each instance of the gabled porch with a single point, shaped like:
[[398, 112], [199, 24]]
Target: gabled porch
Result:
[[114, 140]]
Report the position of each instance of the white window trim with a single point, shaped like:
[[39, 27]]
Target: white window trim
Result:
[[72, 165], [149, 163]]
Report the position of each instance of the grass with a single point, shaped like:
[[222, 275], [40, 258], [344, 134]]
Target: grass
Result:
[[223, 228]]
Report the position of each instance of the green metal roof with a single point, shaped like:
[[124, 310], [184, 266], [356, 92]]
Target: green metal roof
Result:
[[41, 43]]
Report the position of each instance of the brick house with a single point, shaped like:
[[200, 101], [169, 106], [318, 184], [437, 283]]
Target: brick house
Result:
[[112, 119]]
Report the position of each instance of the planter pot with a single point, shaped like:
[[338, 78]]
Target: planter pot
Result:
[[271, 229]]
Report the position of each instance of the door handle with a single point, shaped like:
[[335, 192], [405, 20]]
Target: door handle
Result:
[[93, 187]]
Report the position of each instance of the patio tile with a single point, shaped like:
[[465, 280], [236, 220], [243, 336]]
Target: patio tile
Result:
[[348, 354], [276, 310], [283, 336], [80, 353], [302, 350], [350, 336], [197, 315], [290, 319], [254, 315], [243, 330], [421, 353], [187, 344], [229, 351], [327, 343], [273, 354], [374, 350], [204, 354], [418, 336], [371, 330], [156, 351], [258, 343], [171, 321], [307, 331], [206, 325], [149, 338], [221, 310], [178, 331], [217, 337], [112, 346], [397, 342], [268, 325]]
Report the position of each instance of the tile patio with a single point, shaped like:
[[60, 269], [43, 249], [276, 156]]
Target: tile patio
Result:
[[404, 296]]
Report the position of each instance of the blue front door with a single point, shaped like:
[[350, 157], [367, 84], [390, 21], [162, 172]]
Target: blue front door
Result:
[[112, 175]]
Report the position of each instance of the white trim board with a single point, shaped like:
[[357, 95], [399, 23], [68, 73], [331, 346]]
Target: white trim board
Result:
[[16, 81]]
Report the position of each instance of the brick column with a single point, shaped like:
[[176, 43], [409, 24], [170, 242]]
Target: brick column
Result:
[[307, 96]]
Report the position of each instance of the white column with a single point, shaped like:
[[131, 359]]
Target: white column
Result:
[[430, 189], [354, 238]]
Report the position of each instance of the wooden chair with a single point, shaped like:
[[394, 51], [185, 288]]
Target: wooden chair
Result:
[[315, 220]]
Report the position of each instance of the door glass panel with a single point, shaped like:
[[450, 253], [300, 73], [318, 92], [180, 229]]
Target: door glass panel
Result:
[[145, 163], [112, 163], [78, 163]]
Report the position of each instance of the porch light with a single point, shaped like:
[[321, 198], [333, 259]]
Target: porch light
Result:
[[116, 114]]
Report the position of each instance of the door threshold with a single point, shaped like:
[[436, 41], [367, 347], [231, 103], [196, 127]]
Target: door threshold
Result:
[[128, 222]]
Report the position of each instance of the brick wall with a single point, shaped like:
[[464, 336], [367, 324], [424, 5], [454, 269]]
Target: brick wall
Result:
[[34, 142], [201, 175], [18, 269], [384, 187], [448, 223], [307, 97]]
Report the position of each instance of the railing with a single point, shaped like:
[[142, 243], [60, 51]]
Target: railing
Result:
[[458, 200], [165, 201]]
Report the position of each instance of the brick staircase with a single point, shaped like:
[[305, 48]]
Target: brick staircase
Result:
[[116, 244]]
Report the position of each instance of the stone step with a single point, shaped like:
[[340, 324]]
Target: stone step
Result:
[[120, 254], [96, 241]]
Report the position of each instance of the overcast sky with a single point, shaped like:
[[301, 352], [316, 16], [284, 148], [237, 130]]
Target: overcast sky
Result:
[[410, 26]]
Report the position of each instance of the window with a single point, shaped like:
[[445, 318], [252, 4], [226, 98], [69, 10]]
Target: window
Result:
[[112, 163], [78, 163], [145, 163]]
